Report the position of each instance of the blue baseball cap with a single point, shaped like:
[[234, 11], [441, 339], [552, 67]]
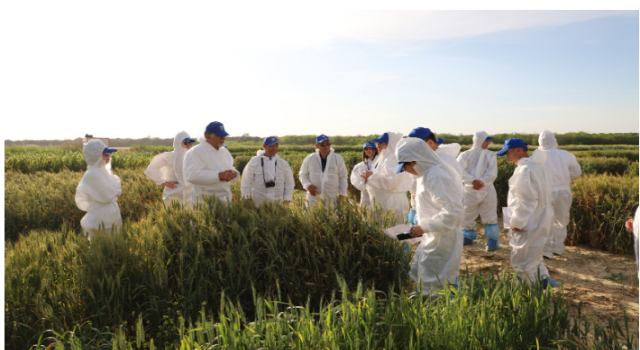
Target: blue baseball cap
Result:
[[108, 150], [489, 138], [321, 138], [369, 144], [384, 138], [270, 141], [420, 132], [439, 141], [188, 140], [400, 167], [217, 128], [509, 144]]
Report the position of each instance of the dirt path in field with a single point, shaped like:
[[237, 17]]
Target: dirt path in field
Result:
[[606, 283]]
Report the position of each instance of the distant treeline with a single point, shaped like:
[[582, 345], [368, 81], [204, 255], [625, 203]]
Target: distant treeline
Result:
[[572, 138]]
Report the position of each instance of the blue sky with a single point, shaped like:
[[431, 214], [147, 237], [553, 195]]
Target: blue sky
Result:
[[154, 72]]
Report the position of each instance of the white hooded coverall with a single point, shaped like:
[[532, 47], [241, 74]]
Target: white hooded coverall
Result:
[[563, 168], [330, 183], [202, 164], [97, 192], [386, 188], [530, 196], [360, 183], [260, 169], [448, 153], [479, 164], [167, 166], [439, 213]]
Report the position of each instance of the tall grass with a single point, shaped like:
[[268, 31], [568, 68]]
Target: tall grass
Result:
[[45, 200], [173, 262], [601, 206], [490, 312]]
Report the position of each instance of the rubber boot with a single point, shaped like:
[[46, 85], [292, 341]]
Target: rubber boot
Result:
[[469, 236], [492, 232]]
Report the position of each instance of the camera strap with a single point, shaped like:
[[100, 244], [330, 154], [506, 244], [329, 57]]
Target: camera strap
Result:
[[275, 172]]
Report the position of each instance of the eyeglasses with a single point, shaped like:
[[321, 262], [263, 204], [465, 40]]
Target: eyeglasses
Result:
[[325, 144]]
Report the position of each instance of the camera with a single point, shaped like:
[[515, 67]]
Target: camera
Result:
[[268, 184]]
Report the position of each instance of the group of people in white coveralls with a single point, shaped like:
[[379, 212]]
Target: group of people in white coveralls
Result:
[[447, 194]]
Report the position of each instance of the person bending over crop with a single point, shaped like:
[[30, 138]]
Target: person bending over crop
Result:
[[209, 165], [439, 215], [98, 191], [267, 177], [529, 199], [323, 173], [165, 169]]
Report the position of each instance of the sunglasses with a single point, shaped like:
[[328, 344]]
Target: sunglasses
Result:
[[325, 144]]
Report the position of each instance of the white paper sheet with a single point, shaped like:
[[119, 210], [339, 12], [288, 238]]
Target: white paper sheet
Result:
[[395, 230], [507, 213]]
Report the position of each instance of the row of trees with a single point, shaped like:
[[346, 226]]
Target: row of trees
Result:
[[572, 138]]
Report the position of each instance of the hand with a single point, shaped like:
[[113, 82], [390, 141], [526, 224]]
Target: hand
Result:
[[232, 174], [170, 184], [313, 190], [416, 231], [513, 228], [477, 184], [629, 225], [367, 174], [342, 198]]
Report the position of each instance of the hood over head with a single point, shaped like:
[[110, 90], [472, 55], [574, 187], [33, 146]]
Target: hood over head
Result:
[[414, 149], [177, 141], [451, 149], [479, 138], [92, 152], [538, 157], [547, 140], [392, 145]]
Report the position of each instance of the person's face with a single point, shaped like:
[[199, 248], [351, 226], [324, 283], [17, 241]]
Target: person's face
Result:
[[433, 145], [369, 152], [215, 140], [513, 155], [270, 151], [486, 144], [106, 158], [408, 167], [187, 145], [381, 147], [324, 147]]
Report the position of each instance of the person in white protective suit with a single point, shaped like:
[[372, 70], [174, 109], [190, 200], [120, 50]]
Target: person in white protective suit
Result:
[[530, 201], [633, 226], [439, 215], [386, 188], [479, 171], [447, 154], [98, 191], [267, 177], [209, 165], [563, 167], [369, 161], [165, 170], [323, 174]]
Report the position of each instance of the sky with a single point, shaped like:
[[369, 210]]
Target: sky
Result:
[[136, 69]]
